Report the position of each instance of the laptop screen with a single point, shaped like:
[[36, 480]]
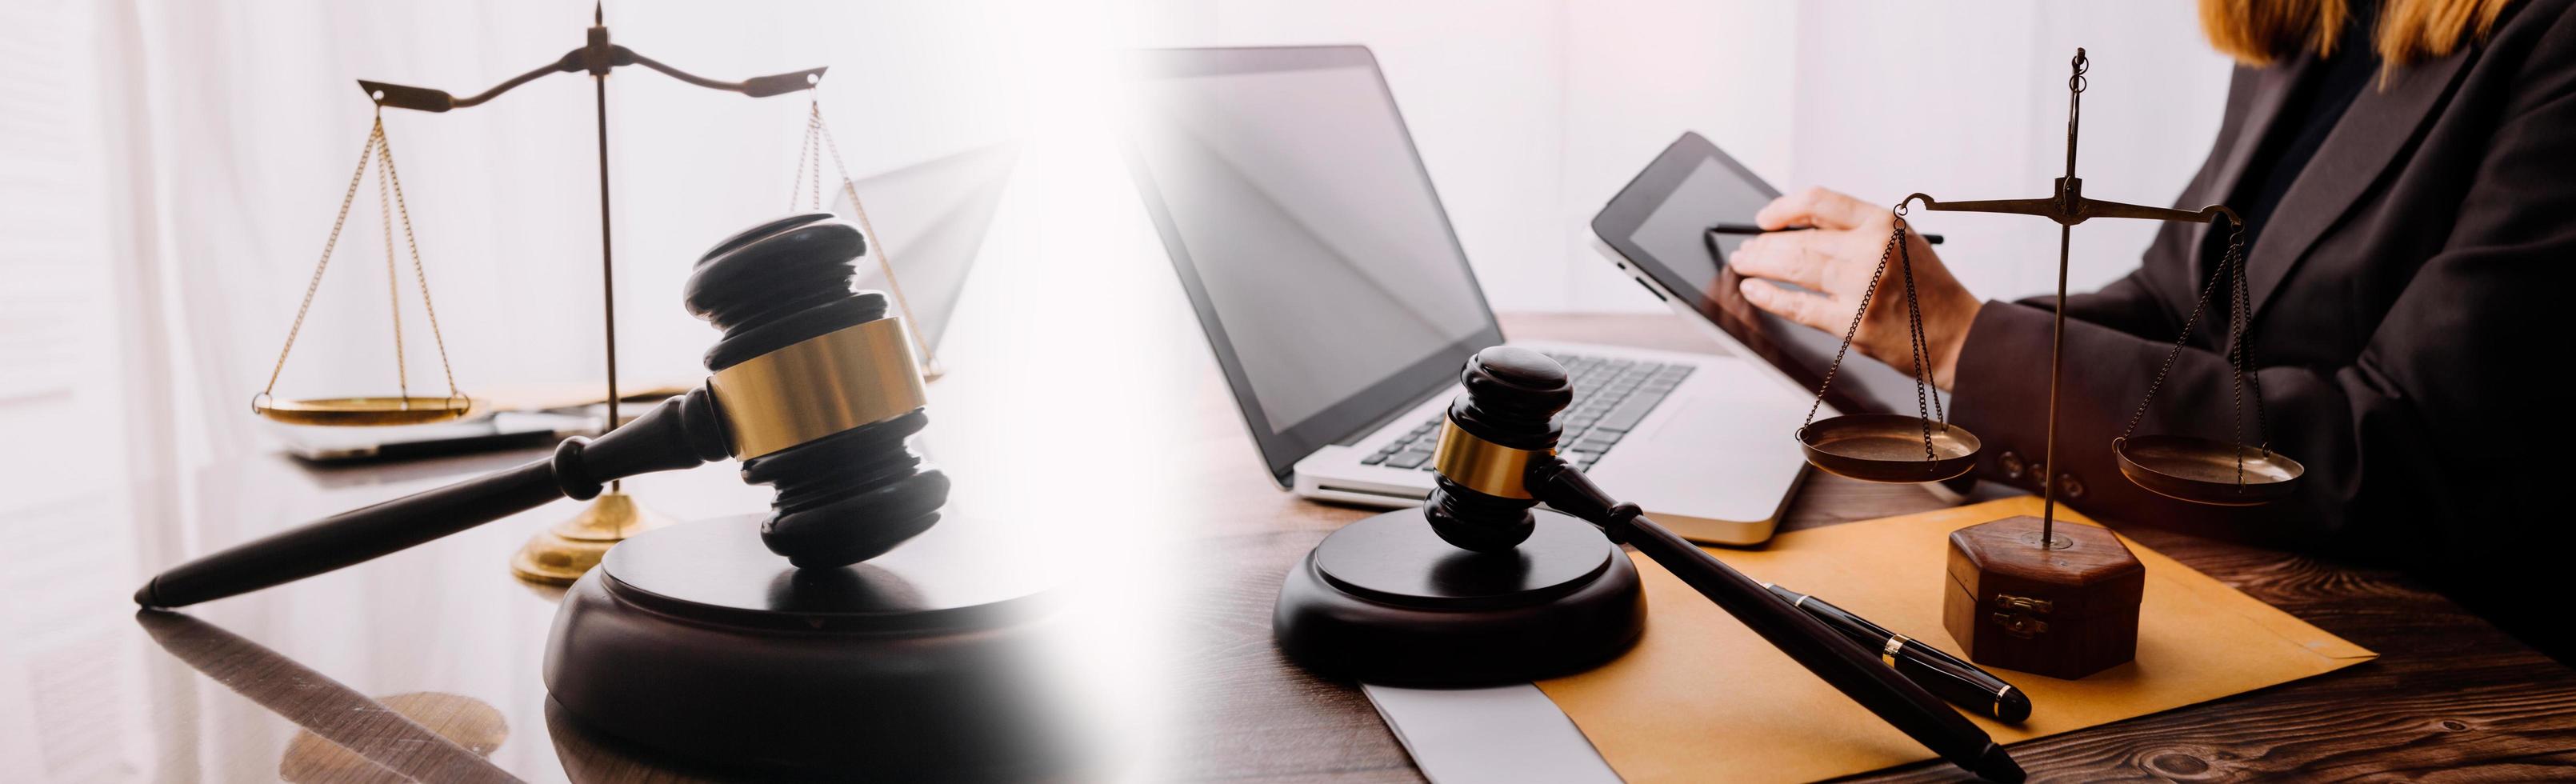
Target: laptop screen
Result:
[[1291, 200]]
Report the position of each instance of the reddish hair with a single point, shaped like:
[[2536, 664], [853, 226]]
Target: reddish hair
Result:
[[2260, 32]]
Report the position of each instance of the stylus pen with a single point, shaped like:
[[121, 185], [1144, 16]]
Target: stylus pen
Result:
[[1942, 674], [1747, 228]]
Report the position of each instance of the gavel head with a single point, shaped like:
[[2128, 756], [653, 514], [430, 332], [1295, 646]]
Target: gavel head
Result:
[[816, 388], [1496, 429]]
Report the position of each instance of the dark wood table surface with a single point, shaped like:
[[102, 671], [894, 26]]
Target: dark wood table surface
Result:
[[2449, 698], [302, 681]]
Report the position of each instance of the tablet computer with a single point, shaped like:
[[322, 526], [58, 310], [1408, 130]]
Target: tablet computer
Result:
[[1656, 231]]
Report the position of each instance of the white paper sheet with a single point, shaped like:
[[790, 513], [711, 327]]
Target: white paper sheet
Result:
[[1499, 734]]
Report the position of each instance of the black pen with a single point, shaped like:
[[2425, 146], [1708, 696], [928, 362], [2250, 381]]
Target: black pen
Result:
[[1940, 673], [1747, 228]]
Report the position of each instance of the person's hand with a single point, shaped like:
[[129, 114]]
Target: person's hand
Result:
[[1836, 259]]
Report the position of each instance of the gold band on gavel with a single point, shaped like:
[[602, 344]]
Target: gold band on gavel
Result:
[[1481, 465], [856, 375]]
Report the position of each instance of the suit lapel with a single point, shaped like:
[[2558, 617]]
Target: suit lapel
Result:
[[2271, 89], [2363, 143]]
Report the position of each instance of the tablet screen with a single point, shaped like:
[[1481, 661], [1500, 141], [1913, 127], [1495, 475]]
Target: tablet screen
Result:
[[1660, 223]]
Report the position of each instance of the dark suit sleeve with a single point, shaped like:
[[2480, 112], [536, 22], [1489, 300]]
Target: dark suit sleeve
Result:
[[2414, 441], [2126, 305]]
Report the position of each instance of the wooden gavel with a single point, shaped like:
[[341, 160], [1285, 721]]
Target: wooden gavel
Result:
[[1497, 460], [813, 387]]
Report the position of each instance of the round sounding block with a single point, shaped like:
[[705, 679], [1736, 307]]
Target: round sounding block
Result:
[[1384, 600], [695, 640]]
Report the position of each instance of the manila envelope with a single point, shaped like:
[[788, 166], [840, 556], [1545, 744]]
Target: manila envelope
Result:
[[1701, 698]]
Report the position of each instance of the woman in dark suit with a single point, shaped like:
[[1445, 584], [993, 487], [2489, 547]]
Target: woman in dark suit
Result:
[[2408, 177]]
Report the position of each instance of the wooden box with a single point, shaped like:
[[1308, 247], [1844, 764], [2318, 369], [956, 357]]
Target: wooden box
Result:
[[2064, 612]]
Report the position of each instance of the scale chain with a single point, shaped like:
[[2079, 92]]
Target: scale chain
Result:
[[1923, 347], [393, 274], [2199, 306], [1922, 350], [2244, 358], [1926, 397], [1914, 335], [2231, 269], [1866, 294], [2246, 373], [420, 275], [378, 150], [859, 210], [355, 178], [2236, 359]]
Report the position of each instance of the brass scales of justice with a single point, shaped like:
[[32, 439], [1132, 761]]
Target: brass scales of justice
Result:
[[2013, 578], [564, 552]]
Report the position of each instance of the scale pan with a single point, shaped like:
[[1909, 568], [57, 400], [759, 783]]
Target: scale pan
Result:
[[350, 411], [2203, 470], [1888, 448]]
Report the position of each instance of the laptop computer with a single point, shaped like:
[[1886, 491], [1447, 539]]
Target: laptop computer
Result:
[[1340, 306], [930, 220]]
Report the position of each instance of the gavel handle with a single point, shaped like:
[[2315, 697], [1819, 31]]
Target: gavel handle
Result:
[[353, 536], [677, 434], [1835, 658]]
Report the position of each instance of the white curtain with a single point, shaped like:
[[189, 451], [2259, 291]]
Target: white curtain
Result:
[[243, 122], [1968, 101], [1532, 113]]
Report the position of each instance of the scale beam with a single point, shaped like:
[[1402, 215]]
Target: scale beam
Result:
[[423, 99], [2070, 207], [597, 57]]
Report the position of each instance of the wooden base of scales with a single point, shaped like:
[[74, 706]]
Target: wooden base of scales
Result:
[[563, 553], [2065, 611]]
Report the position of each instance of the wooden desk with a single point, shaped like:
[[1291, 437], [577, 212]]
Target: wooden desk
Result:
[[2449, 696], [243, 688]]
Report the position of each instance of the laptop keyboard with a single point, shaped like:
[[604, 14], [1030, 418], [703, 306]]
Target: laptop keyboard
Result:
[[1610, 397]]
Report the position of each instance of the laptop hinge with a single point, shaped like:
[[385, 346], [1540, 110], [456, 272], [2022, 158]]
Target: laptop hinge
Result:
[[1374, 425], [1409, 498]]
